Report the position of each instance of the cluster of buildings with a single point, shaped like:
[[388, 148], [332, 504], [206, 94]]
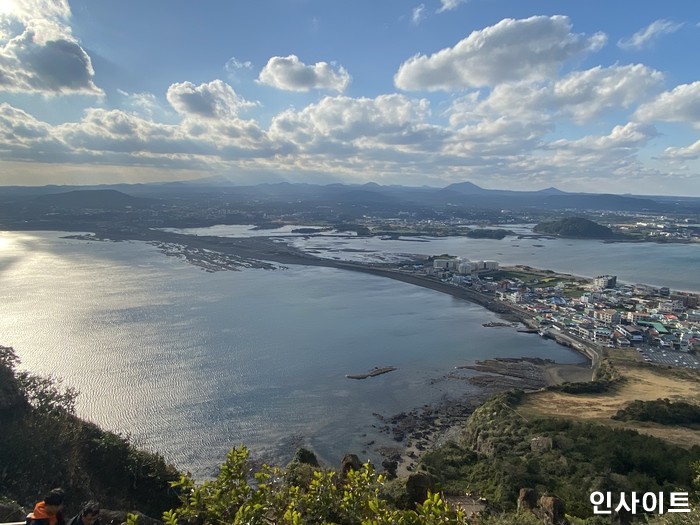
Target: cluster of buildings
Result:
[[448, 267], [601, 310], [612, 315]]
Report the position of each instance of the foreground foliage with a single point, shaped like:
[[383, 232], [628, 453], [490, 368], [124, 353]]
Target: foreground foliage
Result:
[[268, 496], [44, 445], [240, 496]]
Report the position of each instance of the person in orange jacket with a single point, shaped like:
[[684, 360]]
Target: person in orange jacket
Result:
[[49, 510]]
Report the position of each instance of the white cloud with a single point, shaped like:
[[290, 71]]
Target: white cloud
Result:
[[418, 14], [680, 105], [19, 127], [581, 96], [603, 156], [595, 163], [290, 74], [232, 64], [497, 137], [644, 37], [39, 54], [512, 50], [683, 153], [213, 100], [345, 120], [587, 94], [449, 5]]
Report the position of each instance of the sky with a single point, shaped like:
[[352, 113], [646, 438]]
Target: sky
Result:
[[594, 96]]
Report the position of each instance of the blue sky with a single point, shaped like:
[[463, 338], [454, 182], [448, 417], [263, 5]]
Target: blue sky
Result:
[[598, 96]]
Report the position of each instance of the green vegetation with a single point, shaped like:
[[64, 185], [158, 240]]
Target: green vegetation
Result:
[[363, 497], [489, 233], [501, 452], [575, 227], [662, 411], [347, 227], [272, 497], [44, 445]]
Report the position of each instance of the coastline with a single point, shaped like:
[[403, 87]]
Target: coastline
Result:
[[422, 428]]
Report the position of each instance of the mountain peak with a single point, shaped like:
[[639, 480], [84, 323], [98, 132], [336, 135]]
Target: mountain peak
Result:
[[465, 187]]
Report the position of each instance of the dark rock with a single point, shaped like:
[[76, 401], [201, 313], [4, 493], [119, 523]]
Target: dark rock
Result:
[[418, 486], [350, 462], [553, 510], [541, 444], [527, 499], [390, 468], [306, 457], [11, 511]]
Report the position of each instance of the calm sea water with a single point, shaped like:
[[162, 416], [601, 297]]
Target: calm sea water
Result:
[[191, 363]]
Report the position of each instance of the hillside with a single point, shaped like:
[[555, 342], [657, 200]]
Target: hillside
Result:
[[575, 227], [44, 445], [108, 199], [567, 441]]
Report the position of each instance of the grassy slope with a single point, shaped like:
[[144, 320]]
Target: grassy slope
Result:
[[641, 382], [589, 451]]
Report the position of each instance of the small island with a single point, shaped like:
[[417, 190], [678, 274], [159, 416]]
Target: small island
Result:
[[576, 228], [489, 233]]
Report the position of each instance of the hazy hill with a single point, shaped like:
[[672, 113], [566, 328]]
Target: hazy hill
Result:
[[90, 199], [371, 195]]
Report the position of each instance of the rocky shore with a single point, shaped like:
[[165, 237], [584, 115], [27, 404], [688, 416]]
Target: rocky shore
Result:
[[420, 429]]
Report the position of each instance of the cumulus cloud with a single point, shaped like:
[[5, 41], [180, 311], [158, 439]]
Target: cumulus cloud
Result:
[[609, 160], [631, 135], [684, 153], [581, 95], [587, 94], [680, 105], [19, 127], [39, 54], [390, 118], [449, 5], [646, 36], [500, 137], [290, 74], [25, 138], [215, 100], [512, 50]]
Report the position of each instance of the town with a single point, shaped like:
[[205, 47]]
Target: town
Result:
[[662, 325]]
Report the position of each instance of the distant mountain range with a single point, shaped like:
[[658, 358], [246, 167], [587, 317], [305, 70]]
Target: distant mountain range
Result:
[[370, 195]]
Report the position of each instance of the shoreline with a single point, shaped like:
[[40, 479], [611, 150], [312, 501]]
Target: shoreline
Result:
[[420, 429]]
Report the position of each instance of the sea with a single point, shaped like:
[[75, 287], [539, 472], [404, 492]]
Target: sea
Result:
[[190, 363]]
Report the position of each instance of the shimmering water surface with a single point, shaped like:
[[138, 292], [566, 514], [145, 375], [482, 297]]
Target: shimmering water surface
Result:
[[191, 363]]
